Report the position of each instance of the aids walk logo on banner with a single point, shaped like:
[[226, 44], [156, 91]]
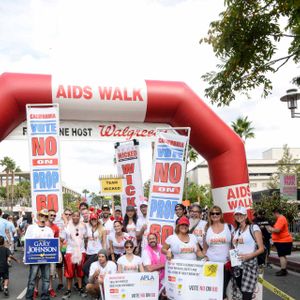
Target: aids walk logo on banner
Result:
[[230, 197], [43, 132]]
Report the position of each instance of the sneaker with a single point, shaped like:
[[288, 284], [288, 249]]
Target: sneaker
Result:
[[52, 294], [35, 294], [67, 295], [76, 286], [82, 293], [282, 272], [6, 292], [59, 287]]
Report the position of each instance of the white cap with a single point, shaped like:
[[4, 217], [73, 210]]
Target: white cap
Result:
[[240, 210], [144, 202]]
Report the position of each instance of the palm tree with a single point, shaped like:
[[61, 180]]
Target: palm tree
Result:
[[85, 192], [242, 127], [10, 166]]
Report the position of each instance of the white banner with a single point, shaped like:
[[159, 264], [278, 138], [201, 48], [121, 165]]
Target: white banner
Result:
[[194, 280], [288, 186], [230, 197], [100, 99], [43, 138], [167, 182], [129, 166], [131, 286], [97, 131]]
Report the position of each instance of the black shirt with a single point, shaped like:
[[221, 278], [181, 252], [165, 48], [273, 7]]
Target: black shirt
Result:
[[4, 255]]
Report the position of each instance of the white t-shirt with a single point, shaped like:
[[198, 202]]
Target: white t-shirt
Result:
[[182, 250], [109, 228], [74, 235], [94, 244], [146, 258], [199, 231], [119, 246], [129, 266], [243, 241], [218, 244], [35, 231], [110, 268], [139, 224], [131, 229]]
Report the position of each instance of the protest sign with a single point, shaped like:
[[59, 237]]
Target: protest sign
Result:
[[194, 280], [167, 182], [129, 166], [131, 286], [43, 138], [41, 251], [110, 185], [288, 186]]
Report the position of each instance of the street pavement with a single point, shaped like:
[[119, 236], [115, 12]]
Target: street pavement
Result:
[[288, 284]]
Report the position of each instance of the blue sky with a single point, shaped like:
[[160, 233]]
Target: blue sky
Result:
[[148, 39]]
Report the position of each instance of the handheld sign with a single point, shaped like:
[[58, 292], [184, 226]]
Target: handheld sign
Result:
[[41, 251]]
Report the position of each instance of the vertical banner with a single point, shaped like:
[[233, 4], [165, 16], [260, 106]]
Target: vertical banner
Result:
[[129, 167], [166, 188], [288, 186], [43, 138]]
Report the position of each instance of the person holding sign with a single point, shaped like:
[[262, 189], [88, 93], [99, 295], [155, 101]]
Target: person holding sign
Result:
[[217, 242], [248, 246], [98, 270], [182, 245], [130, 263], [39, 230]]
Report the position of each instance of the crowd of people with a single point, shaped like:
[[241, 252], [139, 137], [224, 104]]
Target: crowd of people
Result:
[[94, 243]]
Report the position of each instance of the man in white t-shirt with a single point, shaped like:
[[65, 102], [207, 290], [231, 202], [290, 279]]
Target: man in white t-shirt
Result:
[[98, 270], [107, 222], [197, 225], [39, 230]]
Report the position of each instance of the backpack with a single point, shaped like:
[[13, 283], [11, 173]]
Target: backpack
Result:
[[261, 258]]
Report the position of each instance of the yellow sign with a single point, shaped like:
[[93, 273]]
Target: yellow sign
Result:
[[210, 270], [111, 186]]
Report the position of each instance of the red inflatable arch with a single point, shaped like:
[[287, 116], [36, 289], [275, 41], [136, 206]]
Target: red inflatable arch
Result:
[[166, 102]]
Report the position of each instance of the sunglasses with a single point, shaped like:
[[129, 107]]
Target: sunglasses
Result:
[[68, 214], [53, 216], [128, 247], [40, 215], [195, 211], [215, 213]]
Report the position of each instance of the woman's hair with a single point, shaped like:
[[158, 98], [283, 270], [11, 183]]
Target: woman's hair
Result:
[[100, 228], [177, 226], [209, 221], [129, 242], [126, 220]]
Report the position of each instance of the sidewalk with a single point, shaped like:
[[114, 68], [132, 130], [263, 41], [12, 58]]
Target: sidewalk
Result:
[[293, 260]]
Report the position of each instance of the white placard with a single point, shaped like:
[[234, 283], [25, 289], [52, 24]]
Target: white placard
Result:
[[131, 286], [194, 280]]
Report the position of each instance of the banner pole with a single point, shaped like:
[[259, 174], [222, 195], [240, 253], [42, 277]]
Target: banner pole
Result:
[[101, 292]]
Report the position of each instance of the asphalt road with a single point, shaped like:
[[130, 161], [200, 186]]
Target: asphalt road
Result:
[[288, 284]]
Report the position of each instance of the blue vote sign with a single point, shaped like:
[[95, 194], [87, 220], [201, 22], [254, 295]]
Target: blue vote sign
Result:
[[41, 251]]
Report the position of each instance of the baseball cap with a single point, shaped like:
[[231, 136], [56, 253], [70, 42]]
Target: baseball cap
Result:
[[105, 206], [183, 221], [104, 252], [240, 210], [93, 216], [143, 202], [44, 212], [118, 208]]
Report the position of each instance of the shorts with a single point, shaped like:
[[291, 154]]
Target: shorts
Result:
[[4, 275], [284, 249], [71, 269]]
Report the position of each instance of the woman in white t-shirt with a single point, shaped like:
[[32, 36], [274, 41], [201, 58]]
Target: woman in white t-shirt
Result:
[[182, 245], [130, 263], [130, 220], [96, 240], [248, 242], [217, 242], [117, 240]]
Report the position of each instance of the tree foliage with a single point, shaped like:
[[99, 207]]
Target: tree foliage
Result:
[[243, 128], [268, 203], [199, 193], [245, 39]]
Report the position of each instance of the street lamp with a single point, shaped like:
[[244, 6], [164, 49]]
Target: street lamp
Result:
[[291, 98]]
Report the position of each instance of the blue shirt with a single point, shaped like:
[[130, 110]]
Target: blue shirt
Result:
[[3, 226]]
